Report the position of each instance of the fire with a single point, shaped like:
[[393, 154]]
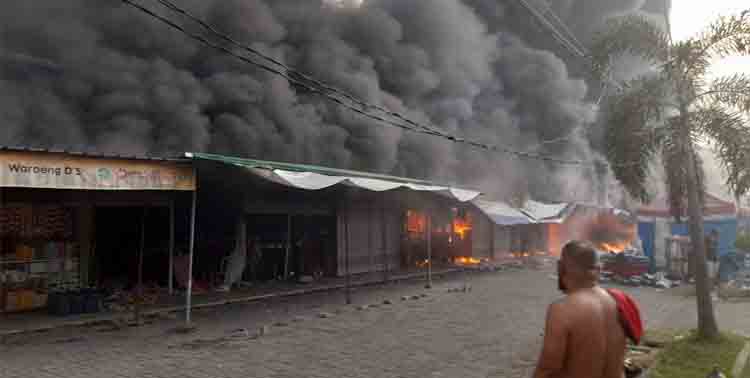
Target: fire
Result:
[[611, 234], [423, 263], [461, 227], [467, 261], [416, 222], [613, 247]]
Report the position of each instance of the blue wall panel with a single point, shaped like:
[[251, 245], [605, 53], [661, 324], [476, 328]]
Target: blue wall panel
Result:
[[727, 233]]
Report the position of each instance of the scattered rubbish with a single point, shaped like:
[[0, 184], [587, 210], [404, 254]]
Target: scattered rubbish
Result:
[[240, 333], [716, 373], [362, 308], [415, 297], [262, 331], [70, 340], [387, 302], [325, 315]]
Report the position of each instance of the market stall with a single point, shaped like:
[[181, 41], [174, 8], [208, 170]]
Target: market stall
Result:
[[64, 215]]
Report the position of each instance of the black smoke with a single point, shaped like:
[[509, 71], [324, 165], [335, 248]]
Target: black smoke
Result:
[[96, 74]]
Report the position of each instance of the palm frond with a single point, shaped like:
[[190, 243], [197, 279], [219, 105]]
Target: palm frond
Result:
[[730, 135], [688, 64], [727, 36], [731, 91], [631, 140], [634, 35]]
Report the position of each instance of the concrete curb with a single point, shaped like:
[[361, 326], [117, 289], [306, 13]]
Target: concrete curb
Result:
[[741, 361], [74, 323]]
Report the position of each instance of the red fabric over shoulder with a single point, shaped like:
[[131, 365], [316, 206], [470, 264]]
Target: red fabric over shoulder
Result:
[[630, 314]]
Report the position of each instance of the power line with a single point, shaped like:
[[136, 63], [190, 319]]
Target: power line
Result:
[[318, 88]]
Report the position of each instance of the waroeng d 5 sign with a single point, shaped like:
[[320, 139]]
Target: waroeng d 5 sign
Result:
[[50, 170]]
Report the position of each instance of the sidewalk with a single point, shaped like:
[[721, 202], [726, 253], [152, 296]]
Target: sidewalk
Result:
[[15, 324]]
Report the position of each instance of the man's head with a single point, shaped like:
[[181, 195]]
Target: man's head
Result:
[[578, 266]]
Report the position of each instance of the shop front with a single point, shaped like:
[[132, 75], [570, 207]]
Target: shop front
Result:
[[77, 229], [304, 222]]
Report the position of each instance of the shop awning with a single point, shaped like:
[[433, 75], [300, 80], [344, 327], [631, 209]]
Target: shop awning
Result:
[[502, 214], [310, 177], [546, 212]]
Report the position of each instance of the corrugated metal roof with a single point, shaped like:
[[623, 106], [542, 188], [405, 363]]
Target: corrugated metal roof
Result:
[[97, 154], [274, 165]]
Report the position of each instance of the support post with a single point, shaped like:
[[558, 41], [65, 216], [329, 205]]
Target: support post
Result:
[[346, 255], [428, 228], [189, 295], [139, 300], [2, 267], [370, 246], [384, 242], [171, 246], [288, 250]]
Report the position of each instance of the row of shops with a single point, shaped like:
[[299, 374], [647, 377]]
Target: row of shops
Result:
[[138, 230]]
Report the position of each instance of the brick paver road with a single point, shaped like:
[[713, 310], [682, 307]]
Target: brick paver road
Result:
[[492, 331]]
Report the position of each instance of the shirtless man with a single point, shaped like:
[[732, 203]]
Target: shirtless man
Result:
[[583, 336]]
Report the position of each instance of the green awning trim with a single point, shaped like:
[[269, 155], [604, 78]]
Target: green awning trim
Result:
[[272, 165]]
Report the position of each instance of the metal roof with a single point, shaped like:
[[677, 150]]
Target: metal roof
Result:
[[97, 154], [274, 165]]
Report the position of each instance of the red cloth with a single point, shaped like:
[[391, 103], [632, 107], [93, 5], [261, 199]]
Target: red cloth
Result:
[[630, 315]]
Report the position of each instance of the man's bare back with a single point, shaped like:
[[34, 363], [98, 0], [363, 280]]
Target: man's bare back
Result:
[[595, 334], [584, 337]]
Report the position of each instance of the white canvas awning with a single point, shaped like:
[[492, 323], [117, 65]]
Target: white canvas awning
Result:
[[546, 212], [316, 181], [308, 177], [502, 214]]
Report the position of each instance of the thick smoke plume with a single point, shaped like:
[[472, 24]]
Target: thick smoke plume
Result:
[[97, 74]]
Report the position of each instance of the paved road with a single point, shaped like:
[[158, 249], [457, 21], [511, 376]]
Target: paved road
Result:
[[492, 331]]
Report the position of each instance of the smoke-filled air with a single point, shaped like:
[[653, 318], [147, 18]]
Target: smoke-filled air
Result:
[[97, 74]]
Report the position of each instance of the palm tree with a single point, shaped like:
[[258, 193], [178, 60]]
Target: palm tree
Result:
[[666, 113]]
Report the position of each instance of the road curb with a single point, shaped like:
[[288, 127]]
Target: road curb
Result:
[[741, 361]]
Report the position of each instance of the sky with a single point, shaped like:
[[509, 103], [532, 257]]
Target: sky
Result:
[[690, 17]]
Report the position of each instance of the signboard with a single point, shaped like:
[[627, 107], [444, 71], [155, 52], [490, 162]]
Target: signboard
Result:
[[60, 171]]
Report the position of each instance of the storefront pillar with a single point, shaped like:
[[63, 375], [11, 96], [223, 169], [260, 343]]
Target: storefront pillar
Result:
[[141, 247], [428, 228], [189, 295], [171, 246], [384, 240], [346, 255]]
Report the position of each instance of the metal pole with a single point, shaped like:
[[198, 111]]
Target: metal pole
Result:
[[139, 300], [2, 267], [188, 299], [288, 245], [346, 255], [428, 228], [171, 246], [384, 242], [370, 249]]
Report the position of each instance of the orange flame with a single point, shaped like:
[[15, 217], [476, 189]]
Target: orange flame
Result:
[[461, 227], [423, 263], [416, 222], [467, 261], [614, 247]]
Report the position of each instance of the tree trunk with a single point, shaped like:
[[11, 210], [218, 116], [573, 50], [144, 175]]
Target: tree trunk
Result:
[[707, 327]]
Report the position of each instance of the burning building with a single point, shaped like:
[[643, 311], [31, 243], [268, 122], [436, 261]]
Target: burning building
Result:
[[543, 229]]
